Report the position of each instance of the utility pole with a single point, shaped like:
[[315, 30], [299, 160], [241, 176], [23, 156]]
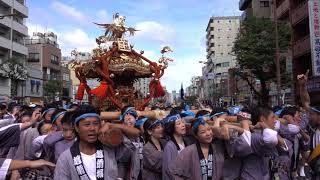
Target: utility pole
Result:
[[277, 52]]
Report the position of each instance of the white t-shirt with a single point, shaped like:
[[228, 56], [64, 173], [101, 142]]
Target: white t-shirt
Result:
[[181, 146], [89, 163]]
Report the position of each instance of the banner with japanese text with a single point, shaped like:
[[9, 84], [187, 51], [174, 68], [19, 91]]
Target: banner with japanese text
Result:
[[314, 22]]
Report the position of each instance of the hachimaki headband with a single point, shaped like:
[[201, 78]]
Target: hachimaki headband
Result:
[[172, 118], [131, 111], [140, 121], [57, 116], [278, 113], [315, 109], [87, 115], [46, 111], [216, 115], [154, 124], [198, 122]]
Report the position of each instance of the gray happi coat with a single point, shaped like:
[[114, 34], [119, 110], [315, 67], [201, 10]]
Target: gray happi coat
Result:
[[65, 168], [152, 162], [187, 165], [256, 165]]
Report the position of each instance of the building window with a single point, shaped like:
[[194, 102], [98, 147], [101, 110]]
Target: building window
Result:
[[221, 54], [54, 59], [219, 37], [218, 65], [38, 83], [218, 21], [264, 4], [32, 83], [219, 45], [219, 29], [229, 21], [229, 29], [34, 57], [225, 64]]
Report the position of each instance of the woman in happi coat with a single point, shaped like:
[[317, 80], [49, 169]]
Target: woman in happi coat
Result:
[[205, 159], [132, 170], [175, 128], [153, 150], [266, 145], [88, 158]]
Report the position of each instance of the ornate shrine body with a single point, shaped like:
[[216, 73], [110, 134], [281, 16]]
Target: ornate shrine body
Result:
[[117, 67]]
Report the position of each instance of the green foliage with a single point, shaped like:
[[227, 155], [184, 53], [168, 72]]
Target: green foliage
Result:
[[15, 71], [191, 100], [255, 49], [50, 88]]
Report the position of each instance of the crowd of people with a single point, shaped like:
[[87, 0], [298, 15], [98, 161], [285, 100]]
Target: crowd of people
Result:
[[241, 142]]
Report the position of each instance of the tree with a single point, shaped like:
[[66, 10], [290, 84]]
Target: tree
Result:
[[50, 88], [15, 71], [255, 50], [191, 100]]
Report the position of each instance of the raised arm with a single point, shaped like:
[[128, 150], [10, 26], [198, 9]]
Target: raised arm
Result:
[[34, 118], [304, 95]]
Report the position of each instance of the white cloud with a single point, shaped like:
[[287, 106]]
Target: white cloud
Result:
[[179, 72], [154, 31], [67, 39], [76, 38], [150, 55], [102, 16], [68, 11], [39, 28]]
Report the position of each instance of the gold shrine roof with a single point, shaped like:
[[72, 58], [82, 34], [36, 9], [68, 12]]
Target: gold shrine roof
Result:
[[125, 62]]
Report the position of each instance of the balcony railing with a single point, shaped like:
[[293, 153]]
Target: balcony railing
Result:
[[301, 46], [243, 4], [283, 8], [300, 13]]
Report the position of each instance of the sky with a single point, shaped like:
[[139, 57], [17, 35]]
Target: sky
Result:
[[180, 24]]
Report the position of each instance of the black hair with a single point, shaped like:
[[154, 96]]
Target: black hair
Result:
[[74, 105], [202, 112], [217, 109], [57, 111], [11, 106], [37, 107], [289, 111], [258, 112], [125, 108], [147, 124], [276, 108], [317, 108], [68, 118], [26, 113], [25, 108], [40, 125], [46, 108], [175, 110], [84, 109], [169, 128], [196, 130], [3, 106], [155, 107]]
